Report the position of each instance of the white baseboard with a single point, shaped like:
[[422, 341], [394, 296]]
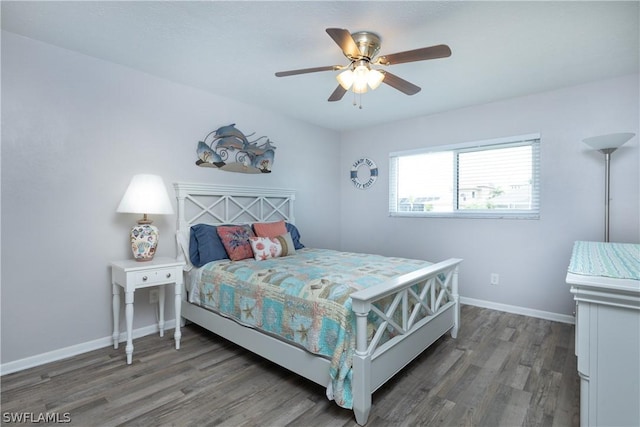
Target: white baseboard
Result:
[[63, 353], [564, 318]]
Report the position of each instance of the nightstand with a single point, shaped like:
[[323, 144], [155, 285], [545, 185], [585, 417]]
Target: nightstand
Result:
[[132, 275]]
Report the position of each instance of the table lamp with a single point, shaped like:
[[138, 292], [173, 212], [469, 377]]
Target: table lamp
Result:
[[607, 144], [145, 195]]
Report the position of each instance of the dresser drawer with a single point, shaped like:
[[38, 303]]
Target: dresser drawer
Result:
[[149, 277]]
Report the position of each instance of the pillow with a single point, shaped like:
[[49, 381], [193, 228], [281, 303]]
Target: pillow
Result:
[[288, 247], [269, 229], [235, 239], [271, 247], [265, 248], [295, 236], [205, 245]]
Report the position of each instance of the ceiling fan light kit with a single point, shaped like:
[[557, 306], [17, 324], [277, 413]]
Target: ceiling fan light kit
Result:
[[361, 48], [360, 78]]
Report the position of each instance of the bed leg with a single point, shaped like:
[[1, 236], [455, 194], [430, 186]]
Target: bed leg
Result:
[[362, 415], [178, 308], [361, 379], [456, 300], [361, 388], [456, 318]]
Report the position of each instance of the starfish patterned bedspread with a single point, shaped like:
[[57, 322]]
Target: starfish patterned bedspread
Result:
[[302, 298]]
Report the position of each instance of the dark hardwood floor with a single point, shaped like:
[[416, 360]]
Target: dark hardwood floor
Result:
[[503, 370]]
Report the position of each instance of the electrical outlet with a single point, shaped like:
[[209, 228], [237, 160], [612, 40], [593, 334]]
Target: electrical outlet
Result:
[[495, 278], [153, 296]]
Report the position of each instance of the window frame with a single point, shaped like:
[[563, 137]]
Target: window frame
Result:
[[532, 140]]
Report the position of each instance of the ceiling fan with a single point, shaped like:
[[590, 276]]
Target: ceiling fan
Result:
[[361, 49]]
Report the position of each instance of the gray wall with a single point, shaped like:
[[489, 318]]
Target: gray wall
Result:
[[74, 132], [531, 256]]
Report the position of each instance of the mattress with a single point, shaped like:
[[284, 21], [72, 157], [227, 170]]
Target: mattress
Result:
[[303, 299]]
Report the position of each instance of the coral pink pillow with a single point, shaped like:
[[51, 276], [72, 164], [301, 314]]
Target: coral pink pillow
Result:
[[235, 239], [270, 229]]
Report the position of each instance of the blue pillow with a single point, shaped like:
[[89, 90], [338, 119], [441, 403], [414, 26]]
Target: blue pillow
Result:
[[295, 235], [205, 245]]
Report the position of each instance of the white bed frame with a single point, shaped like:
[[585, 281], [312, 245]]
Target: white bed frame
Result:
[[373, 363]]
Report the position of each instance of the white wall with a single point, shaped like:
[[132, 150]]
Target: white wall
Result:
[[531, 256], [74, 131]]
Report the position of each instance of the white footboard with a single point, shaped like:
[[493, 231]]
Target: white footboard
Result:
[[425, 305]]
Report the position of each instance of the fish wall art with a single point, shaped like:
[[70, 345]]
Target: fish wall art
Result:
[[229, 149]]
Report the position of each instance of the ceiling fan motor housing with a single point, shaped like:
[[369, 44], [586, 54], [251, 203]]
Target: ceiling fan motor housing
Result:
[[368, 44]]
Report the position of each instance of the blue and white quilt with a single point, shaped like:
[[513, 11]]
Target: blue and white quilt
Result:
[[303, 298]]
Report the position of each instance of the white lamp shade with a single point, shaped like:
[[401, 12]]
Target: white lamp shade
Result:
[[359, 86], [375, 78], [612, 140], [345, 79], [361, 74], [146, 194]]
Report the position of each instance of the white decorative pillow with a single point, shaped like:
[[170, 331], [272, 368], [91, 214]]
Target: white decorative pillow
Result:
[[265, 248], [271, 247]]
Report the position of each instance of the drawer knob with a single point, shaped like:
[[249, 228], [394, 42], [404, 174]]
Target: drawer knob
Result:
[[168, 275], [144, 278]]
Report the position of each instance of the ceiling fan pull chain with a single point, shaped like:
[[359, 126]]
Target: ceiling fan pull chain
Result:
[[357, 100]]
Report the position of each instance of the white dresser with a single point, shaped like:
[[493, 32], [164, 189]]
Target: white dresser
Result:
[[605, 282]]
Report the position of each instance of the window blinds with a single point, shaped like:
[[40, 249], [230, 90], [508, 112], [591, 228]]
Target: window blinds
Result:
[[496, 178]]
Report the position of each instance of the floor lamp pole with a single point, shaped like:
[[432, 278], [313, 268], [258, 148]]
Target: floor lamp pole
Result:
[[607, 144], [607, 177]]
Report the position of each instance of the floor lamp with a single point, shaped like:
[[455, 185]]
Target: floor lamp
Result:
[[607, 144]]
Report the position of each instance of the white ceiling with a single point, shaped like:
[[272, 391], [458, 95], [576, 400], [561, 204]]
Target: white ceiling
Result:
[[500, 49]]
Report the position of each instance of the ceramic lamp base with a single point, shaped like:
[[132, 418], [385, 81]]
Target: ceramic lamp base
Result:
[[144, 241]]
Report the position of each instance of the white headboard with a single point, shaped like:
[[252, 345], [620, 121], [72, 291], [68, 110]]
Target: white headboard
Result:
[[228, 204]]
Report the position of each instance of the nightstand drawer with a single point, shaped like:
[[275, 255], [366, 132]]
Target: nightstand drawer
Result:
[[161, 275]]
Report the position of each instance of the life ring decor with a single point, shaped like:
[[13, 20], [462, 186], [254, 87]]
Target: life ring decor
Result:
[[364, 182]]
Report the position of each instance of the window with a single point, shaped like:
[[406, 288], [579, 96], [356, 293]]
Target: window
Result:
[[486, 179]]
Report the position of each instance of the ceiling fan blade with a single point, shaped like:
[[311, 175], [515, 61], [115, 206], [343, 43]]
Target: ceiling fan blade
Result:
[[343, 39], [337, 94], [432, 52], [401, 84], [308, 70]]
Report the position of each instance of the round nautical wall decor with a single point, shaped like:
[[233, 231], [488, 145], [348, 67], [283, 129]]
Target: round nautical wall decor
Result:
[[364, 173]]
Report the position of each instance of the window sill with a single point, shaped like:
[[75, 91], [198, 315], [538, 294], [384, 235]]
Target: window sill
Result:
[[468, 215]]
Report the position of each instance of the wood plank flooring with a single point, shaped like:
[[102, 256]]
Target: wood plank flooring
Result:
[[503, 370]]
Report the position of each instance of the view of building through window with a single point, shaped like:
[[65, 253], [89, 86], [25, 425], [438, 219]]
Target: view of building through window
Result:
[[495, 179], [492, 178]]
